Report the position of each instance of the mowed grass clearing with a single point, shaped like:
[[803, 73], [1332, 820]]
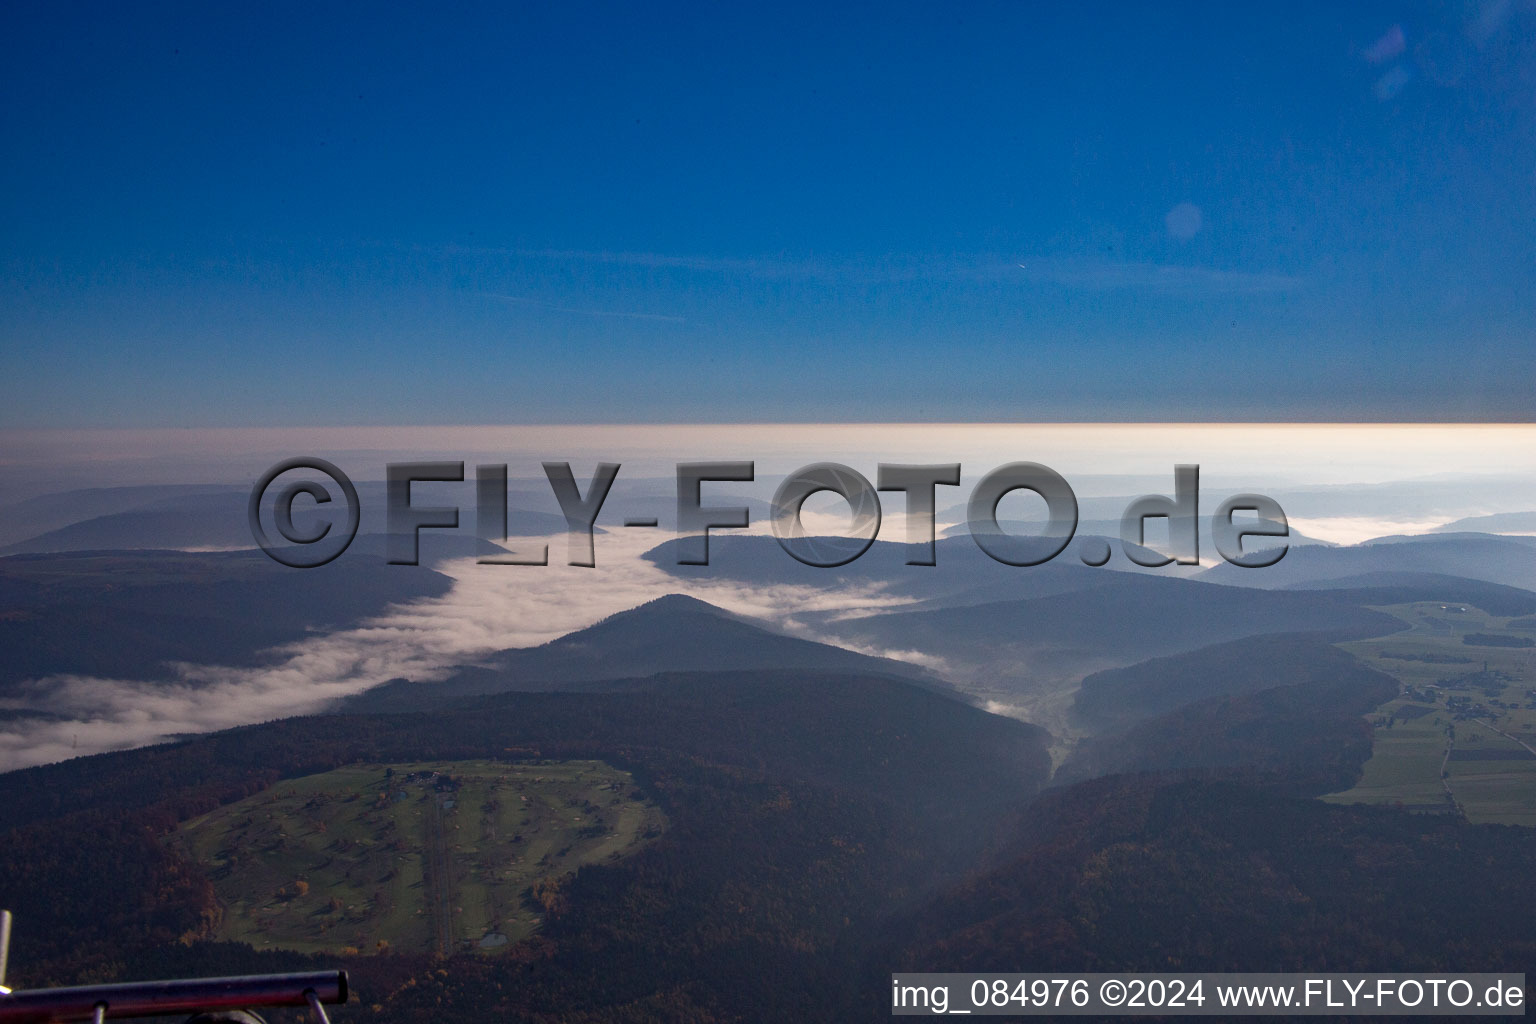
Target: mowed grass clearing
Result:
[[439, 856]]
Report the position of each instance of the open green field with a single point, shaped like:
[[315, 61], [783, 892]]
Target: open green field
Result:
[[436, 856], [1464, 726]]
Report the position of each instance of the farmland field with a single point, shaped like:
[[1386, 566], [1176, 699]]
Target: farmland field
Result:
[[429, 857], [1459, 737]]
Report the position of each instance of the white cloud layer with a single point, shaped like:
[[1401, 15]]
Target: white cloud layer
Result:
[[489, 608]]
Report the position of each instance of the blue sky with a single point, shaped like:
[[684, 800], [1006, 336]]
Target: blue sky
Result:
[[371, 215]]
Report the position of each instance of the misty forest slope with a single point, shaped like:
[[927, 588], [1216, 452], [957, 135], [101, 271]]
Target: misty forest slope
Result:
[[802, 810], [1117, 698], [962, 573], [1144, 873], [1017, 645], [1283, 711], [827, 829], [669, 634], [828, 820], [141, 609]]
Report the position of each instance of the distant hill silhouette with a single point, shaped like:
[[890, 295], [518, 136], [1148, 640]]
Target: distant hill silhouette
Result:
[[201, 520], [218, 519], [1505, 560], [50, 512], [1382, 588], [1115, 699], [123, 614], [1498, 522], [1021, 645], [963, 574], [1155, 529], [670, 634]]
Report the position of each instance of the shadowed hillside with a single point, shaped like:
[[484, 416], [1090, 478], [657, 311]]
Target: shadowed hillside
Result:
[[1115, 699], [1286, 714], [141, 609], [1141, 874]]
